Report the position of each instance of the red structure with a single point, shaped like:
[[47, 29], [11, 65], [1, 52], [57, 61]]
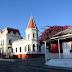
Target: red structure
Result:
[[54, 48]]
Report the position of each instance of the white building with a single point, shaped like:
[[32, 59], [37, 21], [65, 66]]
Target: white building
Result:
[[61, 49], [12, 44]]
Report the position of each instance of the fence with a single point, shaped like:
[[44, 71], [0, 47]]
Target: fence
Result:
[[54, 56]]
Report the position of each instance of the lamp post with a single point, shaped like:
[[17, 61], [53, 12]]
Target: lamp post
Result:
[[45, 52], [59, 48]]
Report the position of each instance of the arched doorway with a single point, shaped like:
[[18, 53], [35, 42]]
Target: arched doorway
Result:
[[29, 48], [33, 47]]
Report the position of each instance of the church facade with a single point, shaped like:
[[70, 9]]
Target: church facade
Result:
[[12, 44]]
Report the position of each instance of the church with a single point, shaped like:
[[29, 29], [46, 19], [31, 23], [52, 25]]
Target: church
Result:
[[12, 44]]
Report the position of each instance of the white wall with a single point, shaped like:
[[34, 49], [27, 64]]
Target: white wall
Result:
[[32, 40], [17, 42], [6, 36], [22, 43], [43, 48], [60, 62], [66, 49], [54, 55]]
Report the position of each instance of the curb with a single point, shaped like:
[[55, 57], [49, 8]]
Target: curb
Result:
[[9, 60], [57, 68], [53, 67]]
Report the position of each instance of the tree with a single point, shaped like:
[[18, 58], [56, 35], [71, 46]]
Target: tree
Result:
[[50, 31]]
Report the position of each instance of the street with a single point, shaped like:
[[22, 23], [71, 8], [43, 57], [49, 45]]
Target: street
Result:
[[30, 65]]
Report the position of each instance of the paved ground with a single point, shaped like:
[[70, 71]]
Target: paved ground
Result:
[[30, 65]]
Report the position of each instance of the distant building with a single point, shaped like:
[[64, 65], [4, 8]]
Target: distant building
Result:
[[12, 44]]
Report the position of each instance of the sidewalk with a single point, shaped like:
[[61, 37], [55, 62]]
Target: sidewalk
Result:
[[38, 63], [11, 60], [50, 67]]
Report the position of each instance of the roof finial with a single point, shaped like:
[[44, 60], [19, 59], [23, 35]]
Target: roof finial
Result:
[[31, 14], [31, 20]]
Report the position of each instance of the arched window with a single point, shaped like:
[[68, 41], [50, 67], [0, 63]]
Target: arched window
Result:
[[37, 47], [33, 36], [16, 49], [9, 41], [29, 48], [1, 42], [12, 50], [20, 49], [33, 47], [28, 36]]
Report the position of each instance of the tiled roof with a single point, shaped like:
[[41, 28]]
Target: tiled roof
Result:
[[11, 29], [31, 23]]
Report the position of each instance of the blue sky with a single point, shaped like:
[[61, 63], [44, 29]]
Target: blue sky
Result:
[[16, 13]]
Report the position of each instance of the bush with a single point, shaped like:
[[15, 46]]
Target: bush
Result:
[[5, 57], [14, 57]]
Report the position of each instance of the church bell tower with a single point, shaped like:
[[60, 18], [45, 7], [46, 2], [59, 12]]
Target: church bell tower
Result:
[[32, 34]]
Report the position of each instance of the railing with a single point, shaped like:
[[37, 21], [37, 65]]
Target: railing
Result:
[[54, 56]]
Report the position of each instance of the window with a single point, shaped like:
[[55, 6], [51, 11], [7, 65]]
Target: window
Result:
[[12, 50], [16, 49], [25, 48], [37, 35], [37, 45], [29, 48], [9, 41], [28, 36], [33, 47], [39, 49], [20, 49], [3, 42], [33, 36]]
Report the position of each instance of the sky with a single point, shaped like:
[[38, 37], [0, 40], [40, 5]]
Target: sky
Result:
[[16, 13]]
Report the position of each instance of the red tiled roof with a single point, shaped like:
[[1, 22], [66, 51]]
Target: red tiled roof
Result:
[[11, 29], [31, 23]]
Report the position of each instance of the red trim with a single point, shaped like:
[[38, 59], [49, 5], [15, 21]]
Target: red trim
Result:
[[28, 56]]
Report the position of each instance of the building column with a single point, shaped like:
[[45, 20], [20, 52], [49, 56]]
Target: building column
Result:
[[45, 53], [31, 47], [36, 47], [6, 46], [1, 51], [59, 48]]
